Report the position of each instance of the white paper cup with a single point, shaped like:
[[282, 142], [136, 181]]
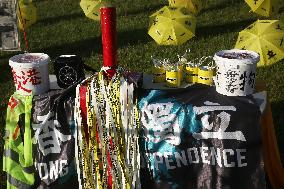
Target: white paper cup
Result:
[[236, 72], [30, 73]]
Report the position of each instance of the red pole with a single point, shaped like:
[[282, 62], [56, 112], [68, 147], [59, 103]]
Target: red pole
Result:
[[108, 26]]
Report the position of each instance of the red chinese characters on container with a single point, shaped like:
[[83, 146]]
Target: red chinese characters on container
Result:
[[26, 77], [30, 73]]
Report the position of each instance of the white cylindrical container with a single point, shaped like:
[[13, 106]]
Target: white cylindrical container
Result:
[[236, 72], [30, 73]]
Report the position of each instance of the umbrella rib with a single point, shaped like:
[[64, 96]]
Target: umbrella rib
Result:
[[174, 34], [272, 44], [261, 53], [180, 25], [254, 9]]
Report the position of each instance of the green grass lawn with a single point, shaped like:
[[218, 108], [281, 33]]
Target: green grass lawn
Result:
[[62, 28]]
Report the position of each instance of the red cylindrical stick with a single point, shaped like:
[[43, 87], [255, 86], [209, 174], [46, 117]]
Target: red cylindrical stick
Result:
[[108, 26]]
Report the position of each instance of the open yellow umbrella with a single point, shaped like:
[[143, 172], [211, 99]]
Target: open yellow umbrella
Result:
[[172, 26], [26, 14], [91, 8], [193, 6], [265, 37], [264, 7]]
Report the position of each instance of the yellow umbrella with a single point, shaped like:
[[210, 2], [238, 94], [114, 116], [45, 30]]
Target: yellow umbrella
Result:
[[91, 8], [264, 7], [265, 37], [172, 26], [193, 6], [26, 14]]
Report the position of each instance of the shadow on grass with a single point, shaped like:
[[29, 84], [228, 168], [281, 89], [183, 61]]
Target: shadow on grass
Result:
[[145, 10], [94, 45], [83, 48], [52, 20], [39, 1], [281, 10], [133, 37], [6, 72], [278, 119], [220, 6], [213, 30], [3, 110], [5, 55]]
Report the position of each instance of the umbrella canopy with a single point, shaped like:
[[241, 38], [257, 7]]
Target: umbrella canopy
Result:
[[264, 7], [265, 37], [193, 6], [172, 26], [26, 14], [91, 8]]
